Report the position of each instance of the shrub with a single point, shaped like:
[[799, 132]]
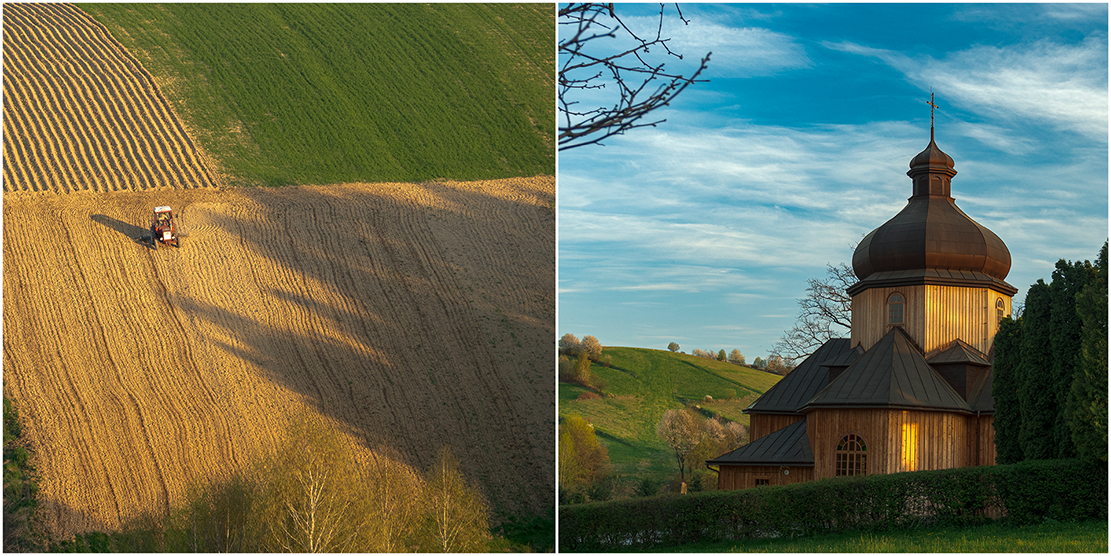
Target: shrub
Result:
[[1028, 492]]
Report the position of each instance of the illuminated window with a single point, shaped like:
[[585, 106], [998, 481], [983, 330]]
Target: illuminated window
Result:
[[910, 446], [852, 456], [998, 309], [895, 305]]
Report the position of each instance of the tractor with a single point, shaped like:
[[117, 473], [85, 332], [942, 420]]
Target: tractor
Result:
[[162, 228]]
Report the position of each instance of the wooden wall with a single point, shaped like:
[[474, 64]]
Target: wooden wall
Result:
[[761, 425], [985, 450], [734, 477], [933, 316], [897, 440]]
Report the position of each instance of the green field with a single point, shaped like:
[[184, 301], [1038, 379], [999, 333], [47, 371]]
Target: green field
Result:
[[283, 94], [645, 383], [1088, 536]]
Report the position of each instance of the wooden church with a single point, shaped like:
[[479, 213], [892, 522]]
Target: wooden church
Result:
[[910, 389]]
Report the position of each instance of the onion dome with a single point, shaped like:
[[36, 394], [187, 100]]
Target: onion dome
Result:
[[931, 240]]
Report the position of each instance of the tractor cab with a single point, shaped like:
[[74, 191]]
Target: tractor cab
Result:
[[162, 228]]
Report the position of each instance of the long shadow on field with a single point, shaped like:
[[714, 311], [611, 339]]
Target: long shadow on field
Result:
[[418, 324], [131, 231]]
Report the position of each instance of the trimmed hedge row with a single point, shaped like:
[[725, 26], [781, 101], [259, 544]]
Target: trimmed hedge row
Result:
[[1027, 492]]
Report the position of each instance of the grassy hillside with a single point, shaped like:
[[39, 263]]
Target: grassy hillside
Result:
[[312, 94], [645, 383]]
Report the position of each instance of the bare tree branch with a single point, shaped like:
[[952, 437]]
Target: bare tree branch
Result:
[[642, 86], [825, 313]]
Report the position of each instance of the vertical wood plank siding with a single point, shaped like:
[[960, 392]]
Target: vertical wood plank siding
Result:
[[761, 425], [934, 315], [897, 440], [735, 477]]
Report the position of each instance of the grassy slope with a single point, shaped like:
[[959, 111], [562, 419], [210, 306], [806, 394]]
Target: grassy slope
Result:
[[313, 94], [645, 384]]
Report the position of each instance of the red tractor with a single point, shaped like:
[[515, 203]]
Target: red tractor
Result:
[[162, 228]]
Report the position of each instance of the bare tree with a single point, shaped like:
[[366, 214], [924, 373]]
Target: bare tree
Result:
[[825, 313], [642, 85]]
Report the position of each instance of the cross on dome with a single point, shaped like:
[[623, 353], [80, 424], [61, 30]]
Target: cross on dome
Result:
[[932, 108]]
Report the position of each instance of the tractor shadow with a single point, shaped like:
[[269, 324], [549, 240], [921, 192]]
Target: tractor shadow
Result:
[[134, 233]]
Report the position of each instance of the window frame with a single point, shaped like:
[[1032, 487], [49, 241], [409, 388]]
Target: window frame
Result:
[[902, 303], [850, 456]]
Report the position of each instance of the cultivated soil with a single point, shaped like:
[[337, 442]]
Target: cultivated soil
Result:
[[410, 316]]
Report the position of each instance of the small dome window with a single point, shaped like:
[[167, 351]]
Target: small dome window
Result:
[[896, 305], [999, 308]]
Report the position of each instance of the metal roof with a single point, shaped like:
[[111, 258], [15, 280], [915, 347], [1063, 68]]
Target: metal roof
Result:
[[892, 373], [794, 390], [958, 351], [931, 232], [786, 446]]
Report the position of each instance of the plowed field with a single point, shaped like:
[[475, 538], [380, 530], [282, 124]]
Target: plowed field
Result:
[[415, 315], [81, 113]]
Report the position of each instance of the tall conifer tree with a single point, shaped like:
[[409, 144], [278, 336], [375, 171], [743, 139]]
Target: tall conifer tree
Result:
[[1068, 280], [1005, 389], [1087, 407], [1037, 398]]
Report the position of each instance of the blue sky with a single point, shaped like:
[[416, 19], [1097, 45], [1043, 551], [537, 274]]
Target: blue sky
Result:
[[704, 230]]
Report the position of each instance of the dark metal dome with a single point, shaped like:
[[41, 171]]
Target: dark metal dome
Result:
[[931, 233]]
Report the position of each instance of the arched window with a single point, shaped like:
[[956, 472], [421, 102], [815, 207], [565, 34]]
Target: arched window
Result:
[[999, 310], [895, 305], [852, 456]]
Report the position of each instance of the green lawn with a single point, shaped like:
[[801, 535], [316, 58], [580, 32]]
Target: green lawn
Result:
[[1088, 536], [645, 383], [326, 93]]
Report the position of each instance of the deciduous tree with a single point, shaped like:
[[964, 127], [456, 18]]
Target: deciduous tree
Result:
[[457, 516], [673, 347], [825, 313], [570, 345], [592, 347], [311, 499], [736, 358], [682, 432], [583, 461], [589, 62]]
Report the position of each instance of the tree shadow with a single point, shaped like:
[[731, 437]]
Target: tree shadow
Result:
[[418, 325]]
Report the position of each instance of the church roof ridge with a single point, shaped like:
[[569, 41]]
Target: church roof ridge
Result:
[[892, 373]]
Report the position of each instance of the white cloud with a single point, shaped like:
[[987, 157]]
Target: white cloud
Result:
[[737, 51], [1061, 85]]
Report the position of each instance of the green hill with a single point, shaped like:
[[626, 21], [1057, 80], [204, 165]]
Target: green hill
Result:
[[285, 94], [645, 383]]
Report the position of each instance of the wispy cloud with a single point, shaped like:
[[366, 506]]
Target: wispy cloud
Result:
[[747, 51], [1060, 85]]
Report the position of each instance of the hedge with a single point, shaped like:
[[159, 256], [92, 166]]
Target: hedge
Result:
[[1022, 493]]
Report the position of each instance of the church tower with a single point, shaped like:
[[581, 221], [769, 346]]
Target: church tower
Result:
[[911, 389], [931, 270]]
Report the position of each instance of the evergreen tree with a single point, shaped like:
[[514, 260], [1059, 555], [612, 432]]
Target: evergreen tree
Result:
[[1068, 280], [1005, 388], [1087, 407], [1037, 398]]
